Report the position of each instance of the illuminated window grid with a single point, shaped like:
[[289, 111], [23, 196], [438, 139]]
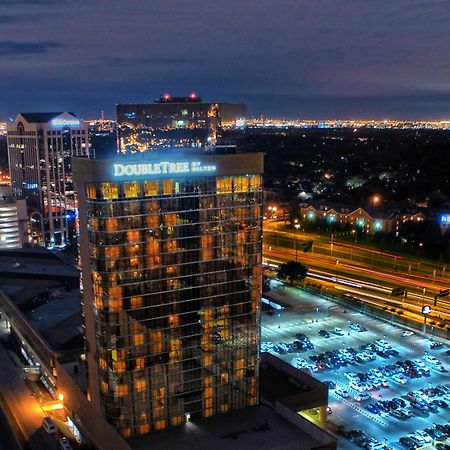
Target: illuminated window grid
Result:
[[236, 389]]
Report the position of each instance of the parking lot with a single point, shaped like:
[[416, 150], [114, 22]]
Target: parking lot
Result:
[[380, 362]]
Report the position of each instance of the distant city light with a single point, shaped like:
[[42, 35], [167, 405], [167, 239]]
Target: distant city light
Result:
[[445, 219]]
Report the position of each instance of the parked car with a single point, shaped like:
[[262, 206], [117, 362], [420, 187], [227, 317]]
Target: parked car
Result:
[[408, 443], [434, 345], [363, 396], [373, 408], [407, 333], [400, 379], [338, 331], [324, 333], [342, 393]]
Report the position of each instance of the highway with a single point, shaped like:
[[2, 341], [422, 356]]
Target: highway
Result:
[[275, 234], [348, 274]]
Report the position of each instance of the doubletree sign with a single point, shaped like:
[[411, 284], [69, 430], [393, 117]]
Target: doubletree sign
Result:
[[161, 168]]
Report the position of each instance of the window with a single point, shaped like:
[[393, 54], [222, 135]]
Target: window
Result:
[[119, 366], [138, 339], [131, 189], [168, 187], [91, 191], [121, 390], [136, 302], [240, 184], [140, 384], [224, 185], [151, 188], [109, 191], [140, 362]]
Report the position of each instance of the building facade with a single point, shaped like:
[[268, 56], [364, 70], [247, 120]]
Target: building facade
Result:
[[174, 122], [369, 220], [171, 272], [40, 147], [13, 222]]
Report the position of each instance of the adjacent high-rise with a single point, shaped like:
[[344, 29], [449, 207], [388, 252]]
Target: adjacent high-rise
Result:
[[174, 122], [40, 147], [171, 270]]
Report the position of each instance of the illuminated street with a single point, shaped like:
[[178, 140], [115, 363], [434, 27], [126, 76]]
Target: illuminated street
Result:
[[372, 280], [310, 314], [25, 409]]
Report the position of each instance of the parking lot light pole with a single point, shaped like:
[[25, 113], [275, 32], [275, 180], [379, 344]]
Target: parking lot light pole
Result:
[[297, 226]]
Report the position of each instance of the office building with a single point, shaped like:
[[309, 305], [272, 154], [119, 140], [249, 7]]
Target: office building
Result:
[[40, 147], [174, 122], [170, 248]]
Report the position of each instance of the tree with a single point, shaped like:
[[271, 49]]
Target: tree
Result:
[[292, 270]]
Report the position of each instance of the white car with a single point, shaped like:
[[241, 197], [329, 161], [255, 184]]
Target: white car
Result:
[[298, 362], [421, 435], [342, 393], [400, 379], [360, 387], [351, 376], [376, 373], [338, 331], [431, 360], [420, 363], [383, 343], [407, 333], [363, 397]]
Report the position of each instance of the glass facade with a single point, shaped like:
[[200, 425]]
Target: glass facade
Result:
[[178, 123], [176, 283]]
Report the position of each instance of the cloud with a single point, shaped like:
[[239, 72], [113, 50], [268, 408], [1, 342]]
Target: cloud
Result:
[[12, 49]]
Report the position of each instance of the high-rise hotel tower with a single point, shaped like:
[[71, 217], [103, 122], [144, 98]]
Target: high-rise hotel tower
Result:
[[171, 271]]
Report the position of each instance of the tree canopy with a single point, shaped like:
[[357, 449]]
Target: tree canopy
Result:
[[292, 270]]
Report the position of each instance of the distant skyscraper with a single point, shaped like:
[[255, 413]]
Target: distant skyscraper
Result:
[[40, 147], [174, 122], [171, 270]]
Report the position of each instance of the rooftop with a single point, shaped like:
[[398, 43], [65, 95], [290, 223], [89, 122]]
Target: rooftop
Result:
[[244, 430], [39, 117], [46, 290]]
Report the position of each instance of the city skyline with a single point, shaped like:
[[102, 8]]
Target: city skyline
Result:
[[376, 60]]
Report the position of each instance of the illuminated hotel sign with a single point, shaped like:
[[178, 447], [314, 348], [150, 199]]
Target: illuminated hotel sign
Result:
[[160, 168], [445, 219], [65, 122]]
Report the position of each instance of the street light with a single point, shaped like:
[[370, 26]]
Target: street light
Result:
[[297, 226], [375, 200], [337, 270], [425, 311], [420, 254]]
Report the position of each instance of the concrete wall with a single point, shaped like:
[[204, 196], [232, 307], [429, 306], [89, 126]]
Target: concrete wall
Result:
[[91, 423], [326, 439]]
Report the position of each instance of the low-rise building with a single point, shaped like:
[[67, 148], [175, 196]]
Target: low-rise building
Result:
[[370, 220]]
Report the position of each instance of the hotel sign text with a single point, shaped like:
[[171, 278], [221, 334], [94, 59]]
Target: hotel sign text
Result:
[[161, 168]]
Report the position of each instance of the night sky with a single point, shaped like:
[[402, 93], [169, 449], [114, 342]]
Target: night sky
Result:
[[284, 58]]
